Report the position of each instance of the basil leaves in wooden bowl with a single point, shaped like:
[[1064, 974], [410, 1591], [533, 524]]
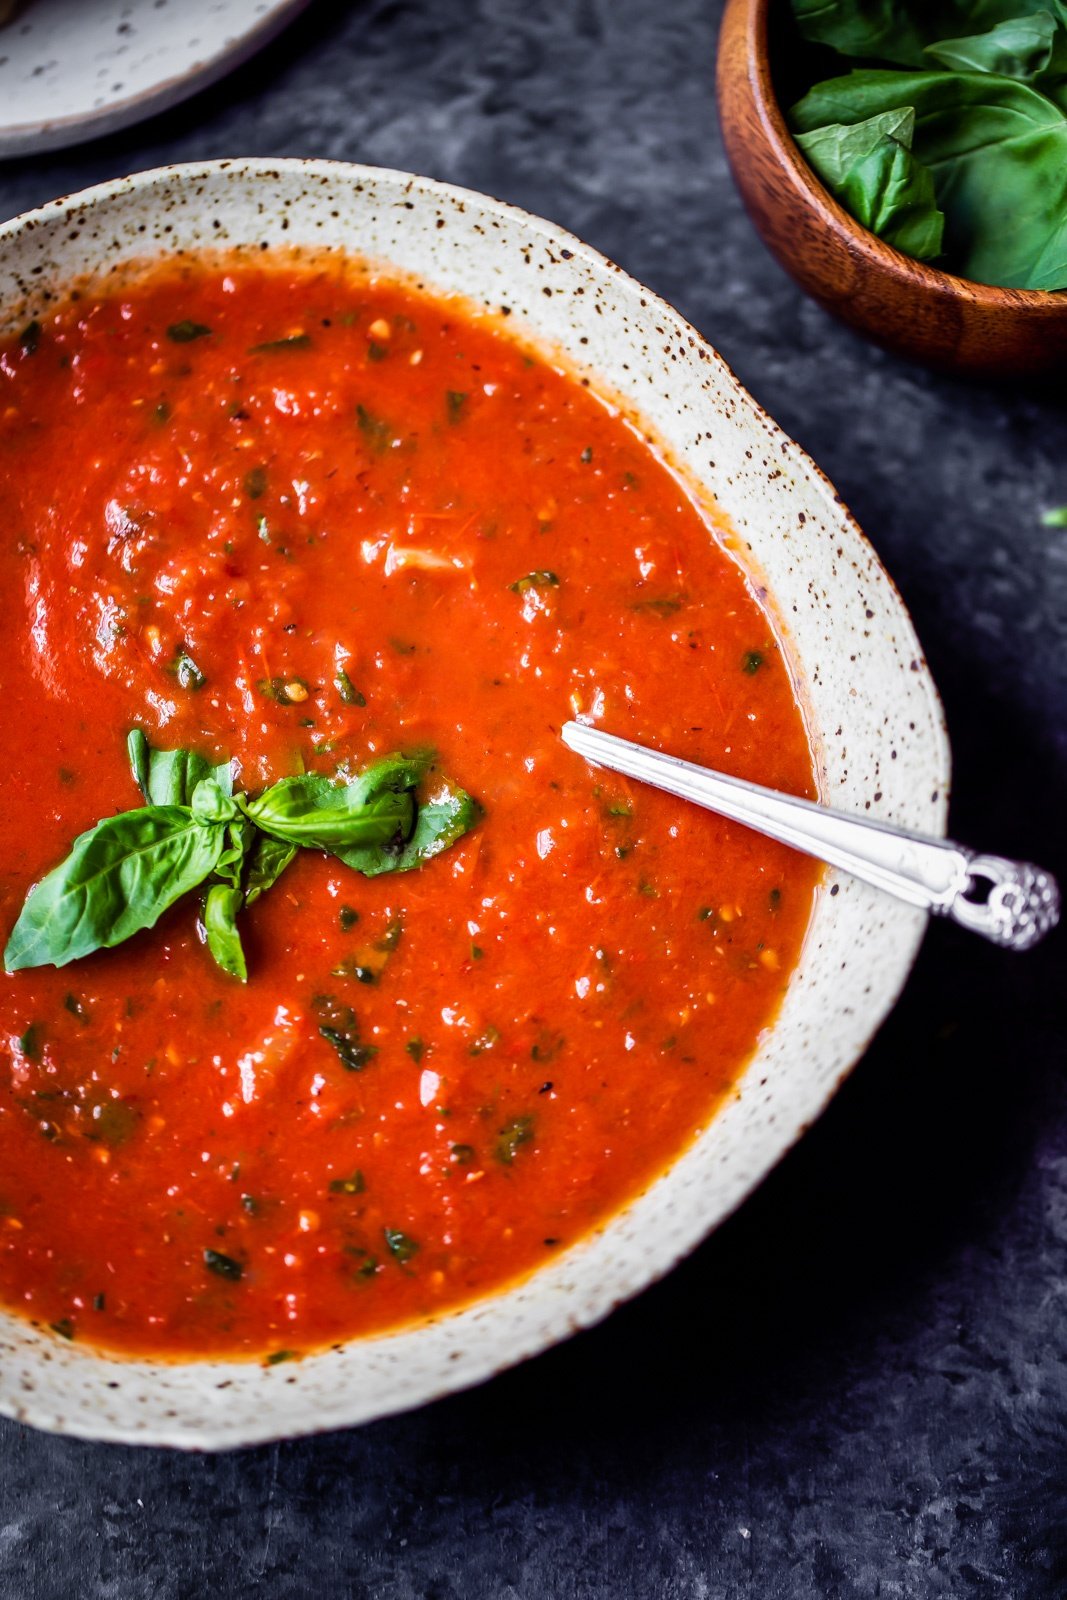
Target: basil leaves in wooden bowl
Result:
[[906, 160]]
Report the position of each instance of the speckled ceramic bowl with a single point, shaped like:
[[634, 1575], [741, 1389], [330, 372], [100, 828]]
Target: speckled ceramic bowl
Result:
[[873, 713]]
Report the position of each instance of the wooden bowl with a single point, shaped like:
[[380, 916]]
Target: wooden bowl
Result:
[[903, 304]]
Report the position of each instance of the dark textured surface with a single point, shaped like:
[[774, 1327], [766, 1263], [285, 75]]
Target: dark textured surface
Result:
[[858, 1388]]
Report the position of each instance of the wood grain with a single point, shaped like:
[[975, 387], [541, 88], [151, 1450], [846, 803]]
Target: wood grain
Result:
[[903, 304]]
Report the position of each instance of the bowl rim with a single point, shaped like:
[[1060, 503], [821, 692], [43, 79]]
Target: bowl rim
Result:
[[223, 1432], [906, 270]]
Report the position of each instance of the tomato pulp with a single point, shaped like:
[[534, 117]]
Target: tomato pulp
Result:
[[295, 513]]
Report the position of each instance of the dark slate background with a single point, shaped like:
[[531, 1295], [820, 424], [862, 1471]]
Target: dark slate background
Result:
[[858, 1388]]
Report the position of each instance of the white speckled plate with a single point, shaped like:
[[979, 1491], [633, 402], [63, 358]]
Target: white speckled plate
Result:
[[872, 711], [73, 69]]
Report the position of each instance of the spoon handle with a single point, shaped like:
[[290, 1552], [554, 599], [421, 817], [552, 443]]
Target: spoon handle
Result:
[[1010, 902]]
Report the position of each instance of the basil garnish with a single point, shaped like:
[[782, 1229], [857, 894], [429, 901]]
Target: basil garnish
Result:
[[313, 812], [220, 929], [119, 878], [123, 874], [267, 860], [444, 817]]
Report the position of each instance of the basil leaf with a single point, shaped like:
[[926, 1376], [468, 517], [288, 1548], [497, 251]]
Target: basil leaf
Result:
[[835, 149], [266, 863], [446, 816], [320, 815], [168, 777], [393, 774], [870, 168], [119, 878], [900, 30], [1020, 47], [998, 153], [239, 840], [220, 929], [210, 803]]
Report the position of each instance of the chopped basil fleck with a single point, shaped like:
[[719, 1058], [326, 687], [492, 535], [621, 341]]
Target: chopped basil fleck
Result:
[[511, 1138], [534, 580], [352, 1055], [285, 691], [295, 341], [223, 1266], [353, 1185], [375, 430], [401, 1246], [30, 1042], [185, 669], [186, 331], [661, 606], [347, 689]]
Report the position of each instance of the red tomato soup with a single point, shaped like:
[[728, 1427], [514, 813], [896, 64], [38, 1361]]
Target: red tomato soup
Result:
[[299, 517]]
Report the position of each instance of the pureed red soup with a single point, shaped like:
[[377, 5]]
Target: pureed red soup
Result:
[[299, 517]]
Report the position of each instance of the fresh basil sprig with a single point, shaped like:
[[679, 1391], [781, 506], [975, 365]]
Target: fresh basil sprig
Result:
[[126, 871]]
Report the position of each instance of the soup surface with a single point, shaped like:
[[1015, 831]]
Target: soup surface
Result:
[[296, 515]]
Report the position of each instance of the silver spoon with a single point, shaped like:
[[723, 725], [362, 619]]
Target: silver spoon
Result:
[[1010, 902]]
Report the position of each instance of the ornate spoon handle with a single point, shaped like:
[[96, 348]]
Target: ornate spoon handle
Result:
[[1010, 902]]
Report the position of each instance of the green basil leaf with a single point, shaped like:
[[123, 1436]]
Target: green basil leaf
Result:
[[210, 802], [870, 168], [119, 878], [268, 859], [834, 150], [901, 30], [220, 929], [240, 838], [1020, 47], [168, 777], [998, 153], [311, 811], [395, 774], [445, 816]]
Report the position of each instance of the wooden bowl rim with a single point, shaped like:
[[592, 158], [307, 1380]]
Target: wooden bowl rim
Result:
[[908, 271]]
